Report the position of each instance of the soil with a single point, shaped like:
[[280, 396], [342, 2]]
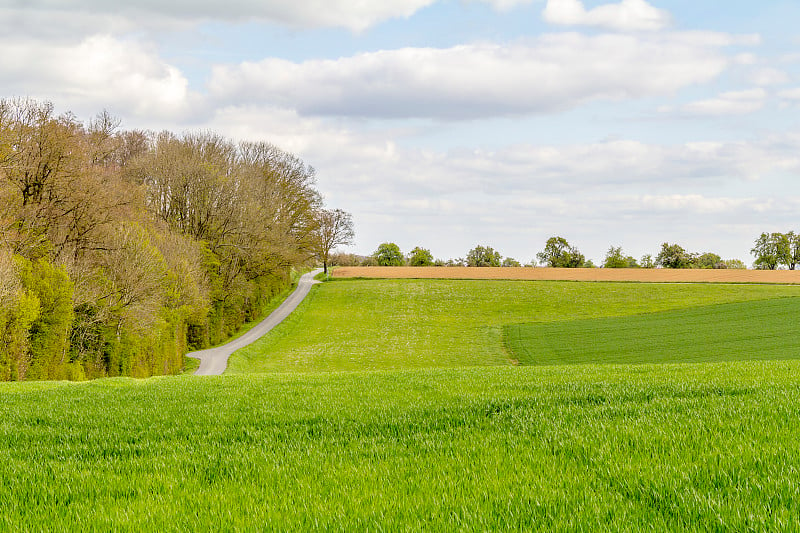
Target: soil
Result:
[[576, 274]]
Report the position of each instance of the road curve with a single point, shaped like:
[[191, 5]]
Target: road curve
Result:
[[214, 361]]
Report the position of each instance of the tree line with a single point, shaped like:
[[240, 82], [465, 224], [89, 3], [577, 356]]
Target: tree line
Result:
[[121, 250], [771, 251]]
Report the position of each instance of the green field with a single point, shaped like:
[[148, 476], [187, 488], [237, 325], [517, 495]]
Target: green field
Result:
[[393, 406], [396, 324], [763, 329], [662, 448]]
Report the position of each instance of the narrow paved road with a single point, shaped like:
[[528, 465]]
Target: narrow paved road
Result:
[[214, 361]]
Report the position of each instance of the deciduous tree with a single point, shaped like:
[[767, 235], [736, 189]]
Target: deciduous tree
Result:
[[558, 253], [794, 250], [483, 256], [388, 254], [708, 260], [647, 261], [616, 259], [771, 250], [420, 257], [736, 264], [674, 256], [334, 228]]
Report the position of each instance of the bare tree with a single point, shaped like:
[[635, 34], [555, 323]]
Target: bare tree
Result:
[[335, 229]]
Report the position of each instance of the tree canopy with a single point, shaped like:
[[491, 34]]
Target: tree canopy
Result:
[[772, 250], [334, 228], [483, 256], [388, 254], [420, 257], [616, 259], [558, 253], [674, 256]]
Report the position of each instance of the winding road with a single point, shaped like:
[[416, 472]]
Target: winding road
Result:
[[214, 361]]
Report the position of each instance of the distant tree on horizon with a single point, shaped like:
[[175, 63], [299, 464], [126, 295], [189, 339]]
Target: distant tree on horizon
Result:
[[616, 259], [647, 261], [709, 260], [389, 254], [772, 250], [420, 257], [334, 228], [558, 253], [674, 256], [735, 264], [483, 256], [794, 250]]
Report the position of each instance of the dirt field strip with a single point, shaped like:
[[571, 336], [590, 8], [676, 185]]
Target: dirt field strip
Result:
[[786, 277]]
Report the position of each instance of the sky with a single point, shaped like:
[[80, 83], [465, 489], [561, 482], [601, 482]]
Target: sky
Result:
[[448, 124]]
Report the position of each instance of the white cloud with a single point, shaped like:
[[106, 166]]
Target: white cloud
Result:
[[356, 16], [790, 94], [100, 70], [746, 59], [50, 16], [366, 163], [729, 103], [552, 73], [765, 77], [621, 192], [506, 5], [627, 15], [696, 203], [25, 23]]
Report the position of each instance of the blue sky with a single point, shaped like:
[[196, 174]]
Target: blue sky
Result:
[[448, 124]]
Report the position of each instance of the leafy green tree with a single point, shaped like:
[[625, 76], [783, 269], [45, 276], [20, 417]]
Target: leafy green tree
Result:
[[389, 254], [558, 253], [674, 256], [49, 333], [734, 264], [420, 257], [511, 262], [483, 256], [647, 261], [616, 259], [771, 250], [794, 249], [19, 308], [708, 260]]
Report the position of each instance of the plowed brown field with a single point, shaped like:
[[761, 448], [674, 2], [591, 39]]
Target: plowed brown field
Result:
[[576, 274]]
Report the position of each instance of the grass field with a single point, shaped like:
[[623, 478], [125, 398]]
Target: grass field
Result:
[[430, 427], [762, 329], [413, 323], [662, 448]]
